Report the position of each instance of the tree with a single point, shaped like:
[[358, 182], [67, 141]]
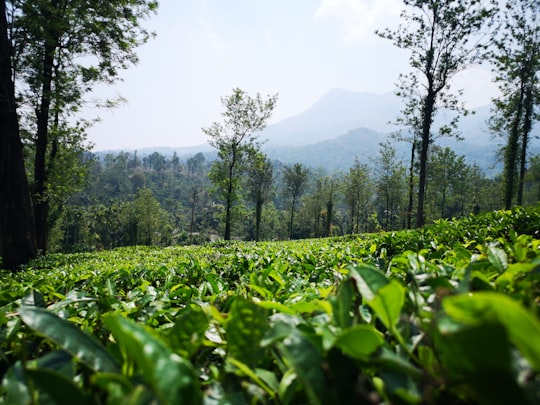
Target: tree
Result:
[[195, 165], [259, 184], [442, 37], [244, 116], [516, 58], [448, 176], [294, 179], [357, 190], [17, 237], [389, 182], [149, 217], [410, 119], [63, 48]]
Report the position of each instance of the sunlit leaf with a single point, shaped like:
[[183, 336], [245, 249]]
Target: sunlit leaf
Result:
[[187, 334], [359, 341], [522, 327], [171, 377], [82, 346], [245, 328]]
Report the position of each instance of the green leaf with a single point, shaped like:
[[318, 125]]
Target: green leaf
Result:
[[58, 388], [480, 356], [522, 327], [359, 341], [388, 303], [82, 346], [245, 328], [368, 280], [307, 361], [342, 305], [172, 378], [187, 334], [244, 370], [498, 258]]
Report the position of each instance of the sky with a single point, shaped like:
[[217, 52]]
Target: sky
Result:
[[299, 49]]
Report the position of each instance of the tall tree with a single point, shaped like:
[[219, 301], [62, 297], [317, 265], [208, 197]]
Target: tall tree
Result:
[[259, 183], [244, 116], [357, 192], [442, 37], [294, 183], [448, 172], [63, 48], [516, 57], [17, 237], [195, 165], [390, 184]]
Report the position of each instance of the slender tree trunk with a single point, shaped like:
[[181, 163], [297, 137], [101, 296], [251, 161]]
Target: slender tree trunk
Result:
[[411, 186], [17, 237], [387, 210], [527, 125], [292, 218], [258, 216], [329, 215], [228, 203], [229, 200], [40, 196], [511, 152], [192, 222], [427, 117]]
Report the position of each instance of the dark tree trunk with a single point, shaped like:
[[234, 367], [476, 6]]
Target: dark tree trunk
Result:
[[511, 153], [427, 118], [258, 217], [228, 203], [17, 238], [40, 197], [192, 222], [527, 125], [411, 186], [329, 215], [292, 218]]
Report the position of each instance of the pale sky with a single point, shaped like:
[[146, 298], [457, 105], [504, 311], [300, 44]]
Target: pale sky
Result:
[[298, 48]]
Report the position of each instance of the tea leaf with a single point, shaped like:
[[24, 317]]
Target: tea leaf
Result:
[[522, 327], [172, 378], [82, 346]]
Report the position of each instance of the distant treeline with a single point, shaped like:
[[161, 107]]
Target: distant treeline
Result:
[[168, 200]]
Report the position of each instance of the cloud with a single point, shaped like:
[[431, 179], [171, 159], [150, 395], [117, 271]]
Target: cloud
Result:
[[360, 18]]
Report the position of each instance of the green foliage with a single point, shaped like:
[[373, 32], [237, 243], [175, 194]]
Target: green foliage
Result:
[[446, 314]]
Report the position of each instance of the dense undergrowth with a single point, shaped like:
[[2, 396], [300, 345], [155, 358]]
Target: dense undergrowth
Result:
[[448, 314]]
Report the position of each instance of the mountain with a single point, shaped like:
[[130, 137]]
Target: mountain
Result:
[[332, 154], [334, 114]]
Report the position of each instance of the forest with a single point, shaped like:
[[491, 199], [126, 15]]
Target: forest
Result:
[[167, 200]]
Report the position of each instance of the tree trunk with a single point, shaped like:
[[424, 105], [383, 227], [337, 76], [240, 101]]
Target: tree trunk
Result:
[[292, 218], [427, 118], [192, 222], [258, 216], [228, 204], [411, 186], [17, 238], [527, 125], [511, 153], [40, 197], [329, 215]]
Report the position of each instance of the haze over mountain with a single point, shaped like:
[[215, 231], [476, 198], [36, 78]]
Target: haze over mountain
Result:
[[344, 124]]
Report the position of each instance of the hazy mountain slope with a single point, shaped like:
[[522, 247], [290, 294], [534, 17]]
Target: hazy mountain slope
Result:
[[332, 154], [337, 112]]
